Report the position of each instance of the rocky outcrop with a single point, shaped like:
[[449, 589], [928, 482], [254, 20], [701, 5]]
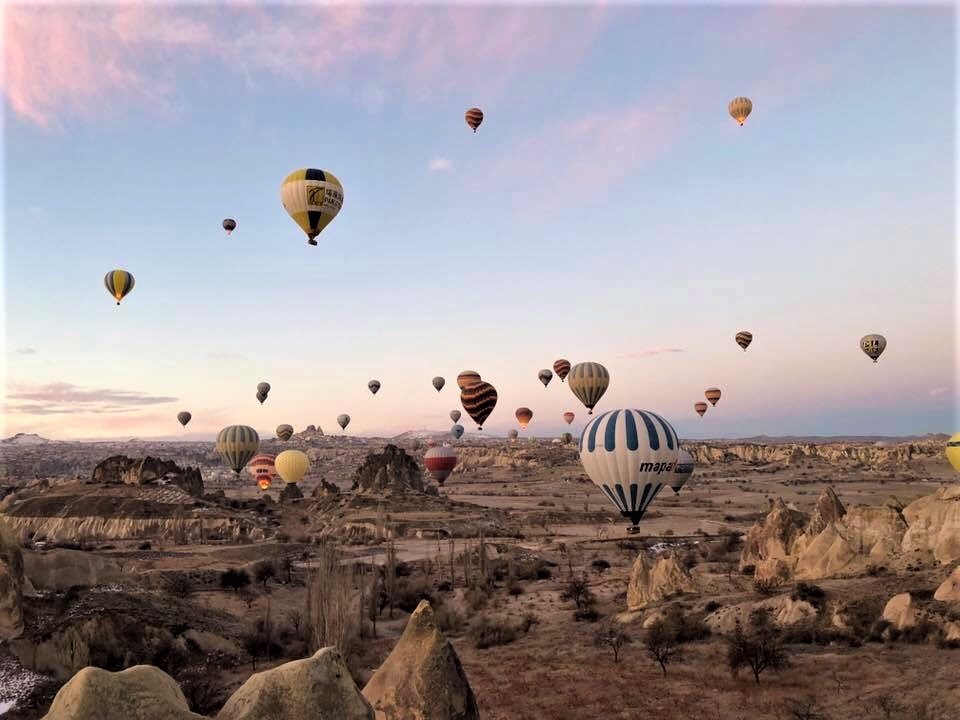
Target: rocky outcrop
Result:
[[784, 610], [318, 687], [389, 471], [949, 590], [422, 679], [869, 455], [325, 488], [900, 612], [11, 585], [773, 539], [290, 493], [828, 510], [61, 569], [651, 582], [866, 535], [141, 692], [148, 471], [934, 525]]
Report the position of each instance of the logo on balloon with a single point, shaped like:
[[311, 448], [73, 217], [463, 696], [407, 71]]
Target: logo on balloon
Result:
[[656, 467]]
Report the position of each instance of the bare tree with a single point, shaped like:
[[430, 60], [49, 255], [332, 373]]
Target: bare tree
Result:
[[578, 590], [612, 635], [760, 648], [333, 618], [662, 644], [390, 576]]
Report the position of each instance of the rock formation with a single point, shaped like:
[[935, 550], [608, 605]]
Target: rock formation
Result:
[[773, 539], [651, 582], [325, 488], [318, 687], [949, 590], [784, 610], [828, 510], [148, 471], [422, 679], [11, 585], [389, 471], [900, 611], [870, 455], [934, 525], [141, 692]]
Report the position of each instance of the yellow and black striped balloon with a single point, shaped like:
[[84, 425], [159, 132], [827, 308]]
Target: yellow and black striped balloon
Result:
[[119, 283], [474, 117], [236, 445], [478, 400], [312, 198], [589, 381], [744, 338]]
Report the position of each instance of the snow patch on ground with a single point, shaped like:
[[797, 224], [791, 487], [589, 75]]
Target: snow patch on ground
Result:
[[16, 683]]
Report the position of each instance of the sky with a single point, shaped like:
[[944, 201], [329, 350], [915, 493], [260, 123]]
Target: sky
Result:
[[607, 210]]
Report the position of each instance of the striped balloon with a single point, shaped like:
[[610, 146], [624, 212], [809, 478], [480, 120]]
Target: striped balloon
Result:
[[524, 416], [438, 383], [183, 417], [512, 433], [545, 377], [440, 462], [744, 338], [568, 417], [474, 116], [739, 108], [712, 394], [284, 432], [457, 431], [292, 465], [630, 455], [873, 345], [374, 385], [479, 400], [683, 471], [343, 421], [467, 378], [119, 283], [953, 451], [312, 198], [262, 466], [229, 224], [562, 368], [455, 415], [236, 445], [589, 381], [700, 407]]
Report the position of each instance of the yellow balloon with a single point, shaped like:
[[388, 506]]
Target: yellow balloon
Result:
[[953, 451], [312, 198], [739, 108], [291, 465]]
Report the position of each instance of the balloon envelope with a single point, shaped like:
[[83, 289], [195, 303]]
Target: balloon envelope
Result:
[[262, 466], [184, 417], [479, 400], [953, 451], [455, 415], [524, 416], [568, 417], [712, 394], [589, 381], [457, 431], [467, 378], [236, 445], [229, 224], [873, 345], [313, 198], [683, 471], [438, 383], [119, 283], [292, 465], [343, 421], [744, 338], [630, 455], [512, 433], [474, 116], [263, 387], [284, 432], [562, 368], [374, 385], [440, 462], [700, 407], [739, 108], [545, 377]]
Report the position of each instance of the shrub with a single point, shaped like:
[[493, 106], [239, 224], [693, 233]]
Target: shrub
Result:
[[587, 614], [144, 546], [449, 621], [264, 571], [489, 632], [234, 579], [578, 591], [515, 589], [712, 606], [812, 594], [411, 591], [600, 565]]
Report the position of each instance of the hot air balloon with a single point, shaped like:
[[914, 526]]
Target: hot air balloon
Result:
[[467, 378], [343, 421], [744, 338], [292, 465], [438, 383], [568, 417], [630, 455], [312, 198], [374, 385], [683, 471], [284, 432], [589, 381], [455, 415], [184, 417], [545, 377], [236, 445], [566, 438], [261, 397], [512, 433], [440, 462], [713, 395], [739, 108], [474, 116], [457, 431], [700, 407], [229, 224], [119, 283], [561, 367], [479, 400], [953, 451], [524, 416], [262, 467], [263, 387], [263, 484], [873, 345]]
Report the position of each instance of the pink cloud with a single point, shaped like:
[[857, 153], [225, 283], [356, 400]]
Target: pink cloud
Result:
[[64, 61]]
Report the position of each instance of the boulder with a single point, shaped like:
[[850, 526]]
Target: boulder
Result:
[[318, 687], [148, 471], [900, 611], [390, 470], [951, 631], [422, 679], [774, 537], [949, 590], [651, 582], [934, 523], [11, 585], [141, 692], [784, 610]]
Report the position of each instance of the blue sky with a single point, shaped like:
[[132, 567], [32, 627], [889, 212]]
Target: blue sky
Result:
[[608, 209]]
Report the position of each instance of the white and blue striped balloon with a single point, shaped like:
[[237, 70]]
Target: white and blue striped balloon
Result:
[[630, 455], [683, 472]]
